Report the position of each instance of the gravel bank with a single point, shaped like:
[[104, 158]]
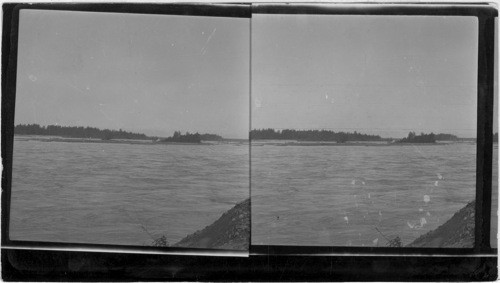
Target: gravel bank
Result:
[[231, 231], [458, 232]]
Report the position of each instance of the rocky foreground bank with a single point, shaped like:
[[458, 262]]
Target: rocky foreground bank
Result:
[[231, 231], [458, 232]]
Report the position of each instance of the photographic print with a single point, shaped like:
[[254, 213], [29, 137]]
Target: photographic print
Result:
[[364, 130], [263, 142], [131, 129]]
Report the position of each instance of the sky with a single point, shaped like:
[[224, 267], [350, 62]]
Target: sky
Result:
[[152, 74], [384, 75]]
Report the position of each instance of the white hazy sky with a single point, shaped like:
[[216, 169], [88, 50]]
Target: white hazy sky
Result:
[[159, 73], [376, 74], [147, 73]]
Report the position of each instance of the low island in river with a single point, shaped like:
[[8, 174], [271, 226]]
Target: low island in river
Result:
[[328, 137], [92, 134], [191, 138]]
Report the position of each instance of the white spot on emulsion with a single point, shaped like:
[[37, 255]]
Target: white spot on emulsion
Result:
[[363, 182], [427, 198], [353, 182], [346, 219], [258, 103], [420, 209], [440, 177], [436, 183], [375, 242], [418, 225], [428, 213], [32, 78], [369, 195], [331, 99]]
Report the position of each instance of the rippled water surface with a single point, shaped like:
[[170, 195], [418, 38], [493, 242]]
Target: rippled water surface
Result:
[[122, 193], [301, 195], [341, 195]]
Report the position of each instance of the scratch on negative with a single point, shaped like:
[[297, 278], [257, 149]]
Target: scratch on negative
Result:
[[204, 49], [74, 87], [104, 114]]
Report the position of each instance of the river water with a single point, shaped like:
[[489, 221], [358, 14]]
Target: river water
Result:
[[128, 194], [357, 195]]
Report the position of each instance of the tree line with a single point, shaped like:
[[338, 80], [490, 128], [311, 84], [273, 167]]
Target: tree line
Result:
[[422, 138], [210, 137], [311, 135], [96, 133], [429, 138], [342, 137], [446, 137], [191, 138], [187, 138], [77, 132]]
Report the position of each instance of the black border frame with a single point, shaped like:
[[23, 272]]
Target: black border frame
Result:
[[265, 263]]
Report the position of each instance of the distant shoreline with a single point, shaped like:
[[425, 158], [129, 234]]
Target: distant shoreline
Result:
[[254, 143], [96, 135], [117, 141], [355, 144]]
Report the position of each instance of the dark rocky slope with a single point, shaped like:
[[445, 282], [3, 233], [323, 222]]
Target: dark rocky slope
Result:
[[231, 231], [458, 232]]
